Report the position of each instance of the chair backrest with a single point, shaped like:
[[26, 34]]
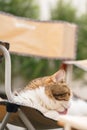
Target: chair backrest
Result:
[[39, 38]]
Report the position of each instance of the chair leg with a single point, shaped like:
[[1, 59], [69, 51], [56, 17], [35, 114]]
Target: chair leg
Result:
[[25, 120], [12, 108], [5, 121]]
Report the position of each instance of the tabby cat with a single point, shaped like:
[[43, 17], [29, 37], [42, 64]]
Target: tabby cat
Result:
[[50, 95]]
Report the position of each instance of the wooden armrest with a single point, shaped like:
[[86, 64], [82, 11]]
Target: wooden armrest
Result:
[[79, 63], [5, 44]]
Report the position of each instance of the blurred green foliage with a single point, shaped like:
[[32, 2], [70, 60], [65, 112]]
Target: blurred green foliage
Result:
[[27, 67], [23, 8], [30, 67], [65, 11], [82, 37]]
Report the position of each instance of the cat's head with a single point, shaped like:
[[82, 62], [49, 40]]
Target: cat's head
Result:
[[58, 92], [50, 93]]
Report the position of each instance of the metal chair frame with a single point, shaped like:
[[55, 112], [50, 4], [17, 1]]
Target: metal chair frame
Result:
[[9, 94]]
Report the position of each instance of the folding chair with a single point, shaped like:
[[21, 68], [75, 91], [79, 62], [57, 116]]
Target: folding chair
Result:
[[51, 40]]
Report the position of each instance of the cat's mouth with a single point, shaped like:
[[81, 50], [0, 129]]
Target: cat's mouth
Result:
[[63, 112]]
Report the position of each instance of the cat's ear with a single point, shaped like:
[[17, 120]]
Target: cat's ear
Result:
[[59, 76]]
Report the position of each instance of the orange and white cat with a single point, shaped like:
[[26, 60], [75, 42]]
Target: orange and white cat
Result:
[[50, 95]]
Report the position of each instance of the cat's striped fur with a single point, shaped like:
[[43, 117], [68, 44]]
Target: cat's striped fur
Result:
[[47, 94]]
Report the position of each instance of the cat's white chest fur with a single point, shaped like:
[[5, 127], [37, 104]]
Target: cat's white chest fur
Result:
[[36, 98]]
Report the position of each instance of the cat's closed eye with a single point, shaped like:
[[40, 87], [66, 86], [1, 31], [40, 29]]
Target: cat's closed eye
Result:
[[62, 96]]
